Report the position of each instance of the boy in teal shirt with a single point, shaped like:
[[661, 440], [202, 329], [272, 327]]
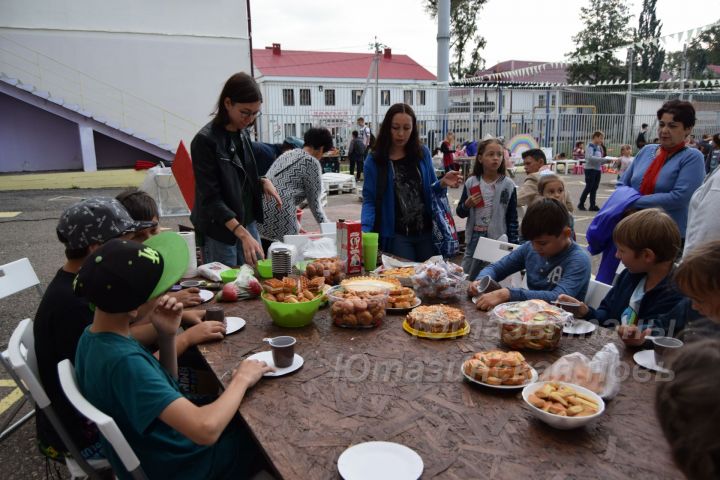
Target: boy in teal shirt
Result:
[[172, 437]]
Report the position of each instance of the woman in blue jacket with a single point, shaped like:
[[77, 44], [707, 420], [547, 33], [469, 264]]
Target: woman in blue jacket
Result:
[[399, 183], [668, 174]]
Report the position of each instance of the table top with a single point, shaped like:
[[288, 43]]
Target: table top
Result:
[[384, 384]]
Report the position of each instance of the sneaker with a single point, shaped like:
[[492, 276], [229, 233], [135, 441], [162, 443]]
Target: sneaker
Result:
[[581, 207], [594, 208]]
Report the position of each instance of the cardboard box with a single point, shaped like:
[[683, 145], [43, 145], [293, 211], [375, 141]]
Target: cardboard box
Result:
[[349, 244]]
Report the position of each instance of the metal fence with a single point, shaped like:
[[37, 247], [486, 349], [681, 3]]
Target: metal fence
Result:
[[556, 116]]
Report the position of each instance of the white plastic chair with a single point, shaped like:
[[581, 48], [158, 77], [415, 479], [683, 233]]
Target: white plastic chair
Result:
[[105, 424], [15, 277], [24, 362], [597, 291], [618, 271], [491, 251]]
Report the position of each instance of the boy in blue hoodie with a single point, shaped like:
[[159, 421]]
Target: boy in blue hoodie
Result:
[[555, 264], [647, 242]]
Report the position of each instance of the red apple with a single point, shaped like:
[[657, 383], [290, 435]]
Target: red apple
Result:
[[229, 293]]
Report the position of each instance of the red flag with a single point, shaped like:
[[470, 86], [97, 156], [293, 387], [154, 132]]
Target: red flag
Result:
[[184, 176]]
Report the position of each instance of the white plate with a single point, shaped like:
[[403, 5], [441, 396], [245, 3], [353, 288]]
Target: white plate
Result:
[[533, 379], [579, 327], [267, 358], [646, 359], [206, 295], [380, 461], [233, 324], [416, 303]]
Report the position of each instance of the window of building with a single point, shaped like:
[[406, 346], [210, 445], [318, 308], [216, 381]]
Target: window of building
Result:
[[304, 96], [289, 129], [384, 97], [356, 96], [408, 97], [304, 127], [541, 100], [553, 100], [288, 97], [421, 97], [330, 97]]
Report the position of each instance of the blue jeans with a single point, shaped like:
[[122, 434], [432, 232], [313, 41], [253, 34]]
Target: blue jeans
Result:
[[416, 248], [230, 255], [470, 265]]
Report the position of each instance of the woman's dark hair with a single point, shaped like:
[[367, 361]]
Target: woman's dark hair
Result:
[[716, 139], [680, 110], [687, 409], [477, 165], [239, 88], [577, 144], [140, 205], [318, 137], [546, 216], [413, 147]]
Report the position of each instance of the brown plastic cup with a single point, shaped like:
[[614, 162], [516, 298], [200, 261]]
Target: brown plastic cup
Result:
[[283, 350], [570, 307], [665, 349], [215, 312]]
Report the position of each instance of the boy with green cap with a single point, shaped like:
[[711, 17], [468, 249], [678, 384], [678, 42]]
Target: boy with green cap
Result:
[[172, 437]]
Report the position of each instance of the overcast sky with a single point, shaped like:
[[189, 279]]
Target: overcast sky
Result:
[[514, 29]]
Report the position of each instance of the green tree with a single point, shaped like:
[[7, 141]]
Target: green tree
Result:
[[702, 51], [465, 42], [606, 28], [649, 56]]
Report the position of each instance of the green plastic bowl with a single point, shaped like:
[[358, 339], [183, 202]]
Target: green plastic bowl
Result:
[[264, 268], [292, 315], [228, 276]]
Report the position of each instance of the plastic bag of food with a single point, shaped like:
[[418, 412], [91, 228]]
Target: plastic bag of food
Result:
[[320, 248], [248, 286], [437, 278], [212, 271], [531, 324], [598, 374]]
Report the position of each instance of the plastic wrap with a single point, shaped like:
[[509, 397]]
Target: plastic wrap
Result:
[[598, 374], [532, 324]]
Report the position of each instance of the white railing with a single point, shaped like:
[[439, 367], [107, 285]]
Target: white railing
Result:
[[106, 103]]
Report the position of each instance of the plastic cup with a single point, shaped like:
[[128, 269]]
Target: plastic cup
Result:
[[370, 250]]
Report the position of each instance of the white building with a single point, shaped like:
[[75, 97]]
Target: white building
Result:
[[304, 88]]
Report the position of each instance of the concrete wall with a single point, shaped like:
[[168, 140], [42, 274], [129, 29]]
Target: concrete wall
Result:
[[111, 153], [171, 54], [35, 140]]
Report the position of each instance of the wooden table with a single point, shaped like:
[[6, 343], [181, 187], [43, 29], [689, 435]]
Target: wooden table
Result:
[[383, 384]]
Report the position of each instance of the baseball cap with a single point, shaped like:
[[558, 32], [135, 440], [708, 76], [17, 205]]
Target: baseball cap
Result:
[[96, 220], [121, 275]]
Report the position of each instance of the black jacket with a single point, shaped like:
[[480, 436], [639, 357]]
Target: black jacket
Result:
[[656, 307], [219, 180]]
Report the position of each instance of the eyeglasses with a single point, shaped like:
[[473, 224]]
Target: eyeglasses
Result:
[[246, 114]]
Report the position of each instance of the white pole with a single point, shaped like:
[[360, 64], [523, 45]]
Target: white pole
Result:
[[443, 57]]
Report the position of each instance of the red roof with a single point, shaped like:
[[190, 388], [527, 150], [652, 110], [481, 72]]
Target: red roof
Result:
[[549, 74], [715, 69], [300, 63]]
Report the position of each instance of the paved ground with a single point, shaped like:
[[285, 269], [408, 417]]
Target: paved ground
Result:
[[31, 234]]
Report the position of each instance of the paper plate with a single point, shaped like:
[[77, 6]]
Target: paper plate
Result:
[[533, 379], [436, 336], [380, 461], [646, 359], [234, 324], [579, 327], [206, 295]]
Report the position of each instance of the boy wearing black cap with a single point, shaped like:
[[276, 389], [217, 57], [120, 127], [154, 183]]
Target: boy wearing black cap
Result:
[[62, 317], [172, 437]]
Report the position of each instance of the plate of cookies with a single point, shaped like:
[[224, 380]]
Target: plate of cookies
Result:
[[436, 322], [500, 370], [402, 300]]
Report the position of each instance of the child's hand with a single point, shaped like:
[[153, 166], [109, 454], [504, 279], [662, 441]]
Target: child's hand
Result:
[[189, 297], [250, 371], [583, 310], [166, 316], [473, 200], [631, 335], [490, 300], [192, 317], [205, 332]]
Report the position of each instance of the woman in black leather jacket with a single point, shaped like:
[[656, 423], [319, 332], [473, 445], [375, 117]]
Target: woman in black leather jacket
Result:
[[228, 189]]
